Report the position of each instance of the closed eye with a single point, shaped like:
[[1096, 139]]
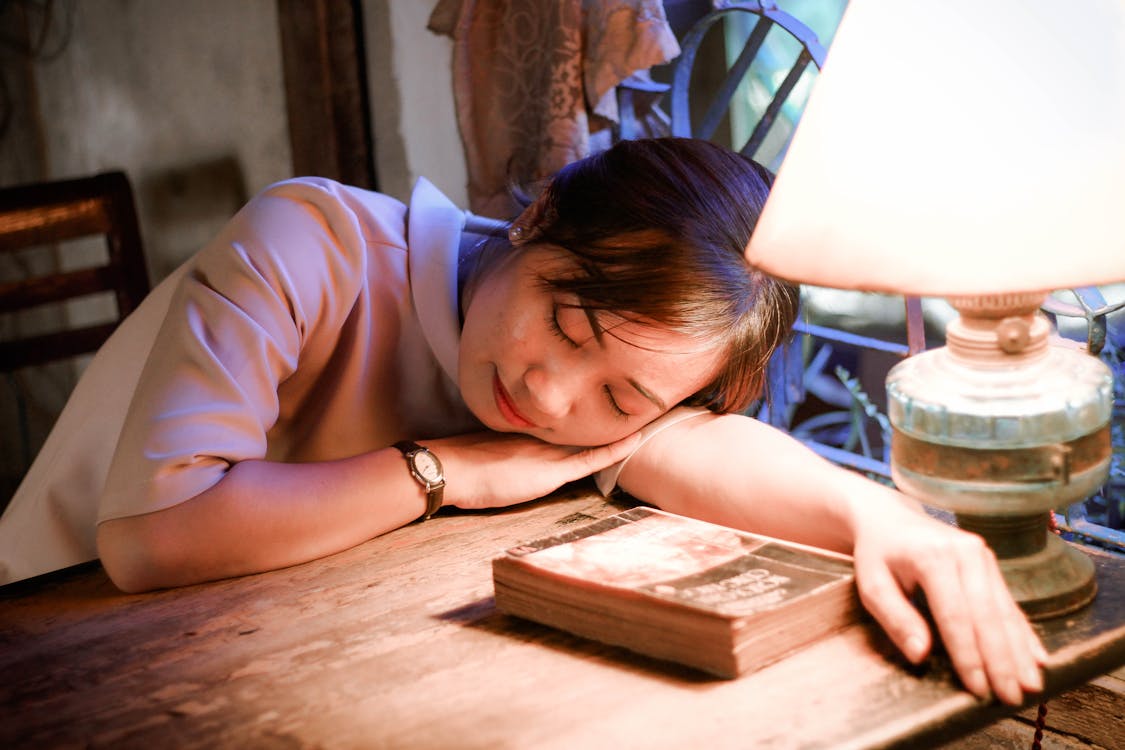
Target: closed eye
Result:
[[613, 403], [557, 329], [553, 324]]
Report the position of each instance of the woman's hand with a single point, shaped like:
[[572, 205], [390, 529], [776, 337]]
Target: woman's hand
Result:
[[771, 484], [493, 470], [987, 636]]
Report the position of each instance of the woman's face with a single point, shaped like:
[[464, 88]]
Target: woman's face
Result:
[[531, 362]]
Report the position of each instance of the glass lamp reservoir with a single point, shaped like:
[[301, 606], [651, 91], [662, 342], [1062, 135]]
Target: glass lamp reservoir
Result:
[[1000, 427]]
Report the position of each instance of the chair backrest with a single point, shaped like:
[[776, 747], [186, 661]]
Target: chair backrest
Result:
[[46, 215], [688, 90]]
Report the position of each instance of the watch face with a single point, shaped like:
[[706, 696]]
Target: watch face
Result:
[[427, 466]]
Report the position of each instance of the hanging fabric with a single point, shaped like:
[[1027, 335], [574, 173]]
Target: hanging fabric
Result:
[[532, 80]]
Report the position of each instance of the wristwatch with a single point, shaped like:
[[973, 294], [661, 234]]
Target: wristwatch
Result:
[[427, 471]]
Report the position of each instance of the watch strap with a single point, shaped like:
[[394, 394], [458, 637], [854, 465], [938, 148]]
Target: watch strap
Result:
[[434, 489]]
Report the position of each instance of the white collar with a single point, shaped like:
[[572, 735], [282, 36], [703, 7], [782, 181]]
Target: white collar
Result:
[[433, 232]]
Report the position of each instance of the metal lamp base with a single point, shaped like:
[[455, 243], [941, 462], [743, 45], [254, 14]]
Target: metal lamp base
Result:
[[1055, 581], [1047, 577]]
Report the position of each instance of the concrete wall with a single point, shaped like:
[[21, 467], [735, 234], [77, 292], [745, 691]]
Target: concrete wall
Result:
[[412, 100], [188, 98], [185, 97]]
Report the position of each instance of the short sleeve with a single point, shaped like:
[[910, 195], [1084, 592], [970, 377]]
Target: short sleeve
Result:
[[285, 270]]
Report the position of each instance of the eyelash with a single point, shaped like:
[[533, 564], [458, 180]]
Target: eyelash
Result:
[[617, 410], [553, 323]]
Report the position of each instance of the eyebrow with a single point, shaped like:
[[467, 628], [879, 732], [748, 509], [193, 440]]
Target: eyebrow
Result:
[[649, 395]]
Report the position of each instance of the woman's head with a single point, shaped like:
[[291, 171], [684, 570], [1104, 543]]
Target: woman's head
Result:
[[648, 236], [658, 229]]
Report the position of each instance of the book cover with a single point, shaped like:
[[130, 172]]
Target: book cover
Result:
[[677, 588]]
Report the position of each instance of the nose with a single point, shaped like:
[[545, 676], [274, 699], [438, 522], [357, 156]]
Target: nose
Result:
[[554, 390]]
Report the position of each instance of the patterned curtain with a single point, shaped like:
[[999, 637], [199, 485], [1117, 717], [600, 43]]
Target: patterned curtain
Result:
[[533, 80]]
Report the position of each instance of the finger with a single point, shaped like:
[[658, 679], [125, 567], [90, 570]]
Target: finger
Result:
[[883, 597], [1026, 649], [999, 641], [590, 460], [946, 590]]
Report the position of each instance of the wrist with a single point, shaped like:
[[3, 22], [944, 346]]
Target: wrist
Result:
[[870, 505], [426, 470]]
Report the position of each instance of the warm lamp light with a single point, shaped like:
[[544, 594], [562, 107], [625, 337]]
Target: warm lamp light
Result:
[[974, 150]]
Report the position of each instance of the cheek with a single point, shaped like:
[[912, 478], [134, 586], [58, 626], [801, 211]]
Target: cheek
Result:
[[497, 314], [493, 336], [483, 321], [510, 328], [517, 327]]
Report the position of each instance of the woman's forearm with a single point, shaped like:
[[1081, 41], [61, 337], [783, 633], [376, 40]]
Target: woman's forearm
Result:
[[262, 515], [742, 473]]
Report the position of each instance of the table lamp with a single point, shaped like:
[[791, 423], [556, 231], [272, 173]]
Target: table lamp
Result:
[[975, 151]]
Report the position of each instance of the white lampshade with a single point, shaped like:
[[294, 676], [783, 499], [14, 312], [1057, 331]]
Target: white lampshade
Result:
[[956, 147]]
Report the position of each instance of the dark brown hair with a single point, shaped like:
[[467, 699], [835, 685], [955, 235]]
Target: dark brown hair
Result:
[[657, 228]]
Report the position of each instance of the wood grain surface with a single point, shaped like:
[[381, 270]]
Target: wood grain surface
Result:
[[396, 644]]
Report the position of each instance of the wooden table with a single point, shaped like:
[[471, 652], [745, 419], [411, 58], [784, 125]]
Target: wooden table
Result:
[[396, 644]]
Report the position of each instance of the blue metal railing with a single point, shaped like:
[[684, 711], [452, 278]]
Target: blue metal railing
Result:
[[1101, 518]]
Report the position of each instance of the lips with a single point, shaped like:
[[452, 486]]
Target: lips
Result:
[[505, 406]]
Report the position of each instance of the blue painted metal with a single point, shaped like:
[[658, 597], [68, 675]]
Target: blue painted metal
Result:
[[851, 339], [721, 102], [1094, 309], [758, 137], [1106, 339], [768, 17], [853, 460], [629, 125], [1075, 522]]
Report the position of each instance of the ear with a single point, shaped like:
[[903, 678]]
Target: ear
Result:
[[527, 225]]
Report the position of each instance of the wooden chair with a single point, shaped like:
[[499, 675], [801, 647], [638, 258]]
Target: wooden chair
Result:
[[45, 215], [39, 226]]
